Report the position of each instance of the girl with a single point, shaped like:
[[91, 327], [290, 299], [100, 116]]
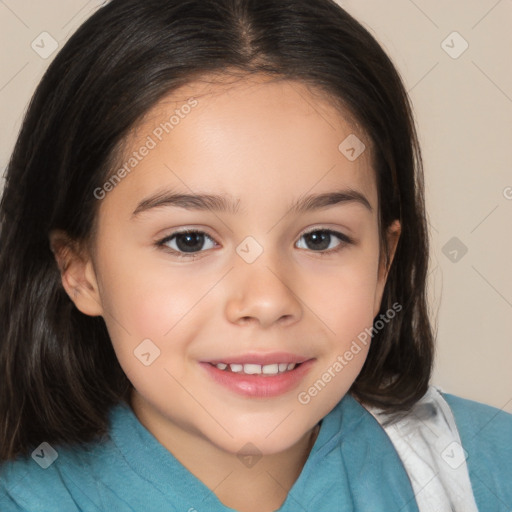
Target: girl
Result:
[[214, 258]]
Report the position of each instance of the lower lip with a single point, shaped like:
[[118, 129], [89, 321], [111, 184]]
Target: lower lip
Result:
[[259, 386]]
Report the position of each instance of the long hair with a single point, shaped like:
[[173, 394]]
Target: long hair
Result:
[[59, 374]]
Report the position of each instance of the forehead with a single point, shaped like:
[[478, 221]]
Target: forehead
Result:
[[226, 134]]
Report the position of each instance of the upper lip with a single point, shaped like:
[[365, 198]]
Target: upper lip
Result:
[[261, 359]]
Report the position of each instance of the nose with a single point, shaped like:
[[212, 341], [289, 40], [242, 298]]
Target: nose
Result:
[[263, 293]]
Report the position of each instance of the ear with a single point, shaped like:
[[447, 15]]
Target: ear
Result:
[[77, 273], [393, 235]]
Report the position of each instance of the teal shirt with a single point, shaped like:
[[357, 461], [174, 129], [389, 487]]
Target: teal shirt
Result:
[[352, 467]]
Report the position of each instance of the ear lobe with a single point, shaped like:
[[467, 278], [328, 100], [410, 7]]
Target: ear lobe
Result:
[[393, 235], [77, 273]]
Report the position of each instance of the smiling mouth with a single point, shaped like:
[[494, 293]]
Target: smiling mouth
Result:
[[263, 377], [267, 370]]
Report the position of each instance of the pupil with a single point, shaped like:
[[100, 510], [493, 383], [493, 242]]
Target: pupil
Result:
[[320, 236], [192, 241]]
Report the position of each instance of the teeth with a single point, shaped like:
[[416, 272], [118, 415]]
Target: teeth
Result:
[[257, 369], [270, 369], [252, 368]]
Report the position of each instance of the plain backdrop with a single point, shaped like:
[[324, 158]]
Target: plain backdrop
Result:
[[454, 58]]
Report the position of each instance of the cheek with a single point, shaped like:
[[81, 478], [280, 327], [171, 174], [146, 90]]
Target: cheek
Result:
[[152, 328], [343, 300], [144, 300], [146, 295], [344, 305], [344, 294], [347, 313]]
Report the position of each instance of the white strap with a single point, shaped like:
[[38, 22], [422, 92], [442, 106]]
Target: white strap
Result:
[[428, 443]]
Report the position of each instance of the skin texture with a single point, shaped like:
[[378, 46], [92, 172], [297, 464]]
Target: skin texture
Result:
[[266, 143]]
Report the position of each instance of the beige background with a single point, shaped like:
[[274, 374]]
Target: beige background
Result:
[[463, 108]]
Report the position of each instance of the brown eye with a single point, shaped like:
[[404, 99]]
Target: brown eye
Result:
[[184, 242], [189, 242], [321, 240]]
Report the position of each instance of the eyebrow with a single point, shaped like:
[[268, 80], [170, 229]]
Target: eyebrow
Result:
[[226, 203]]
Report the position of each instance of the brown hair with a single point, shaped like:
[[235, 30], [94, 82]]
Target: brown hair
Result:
[[59, 373]]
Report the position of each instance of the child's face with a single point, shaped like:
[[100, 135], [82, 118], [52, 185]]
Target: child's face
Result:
[[257, 285]]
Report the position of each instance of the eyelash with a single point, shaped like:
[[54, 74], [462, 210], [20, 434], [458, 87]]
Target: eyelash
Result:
[[344, 241]]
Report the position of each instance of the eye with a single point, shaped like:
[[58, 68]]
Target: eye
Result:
[[186, 244], [189, 243], [320, 240]]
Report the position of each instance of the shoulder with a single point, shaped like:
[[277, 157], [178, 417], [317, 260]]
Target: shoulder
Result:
[[57, 477], [479, 419], [50, 478], [484, 430], [485, 433], [454, 450]]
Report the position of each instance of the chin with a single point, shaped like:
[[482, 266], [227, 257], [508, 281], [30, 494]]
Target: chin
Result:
[[258, 442]]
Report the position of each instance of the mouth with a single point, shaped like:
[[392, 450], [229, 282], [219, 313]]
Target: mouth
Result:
[[259, 376], [256, 369]]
